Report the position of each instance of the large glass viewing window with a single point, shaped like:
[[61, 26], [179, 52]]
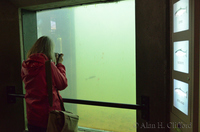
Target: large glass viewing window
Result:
[[98, 43]]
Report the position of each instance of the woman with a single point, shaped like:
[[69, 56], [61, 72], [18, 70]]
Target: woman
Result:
[[34, 78]]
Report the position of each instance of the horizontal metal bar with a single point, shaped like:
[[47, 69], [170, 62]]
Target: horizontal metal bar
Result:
[[17, 95], [105, 104], [96, 103]]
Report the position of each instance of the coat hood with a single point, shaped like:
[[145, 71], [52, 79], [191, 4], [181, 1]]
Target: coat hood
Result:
[[32, 65]]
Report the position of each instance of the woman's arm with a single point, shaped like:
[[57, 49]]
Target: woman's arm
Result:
[[59, 76]]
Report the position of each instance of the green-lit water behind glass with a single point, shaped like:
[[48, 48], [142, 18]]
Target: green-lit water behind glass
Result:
[[98, 43]]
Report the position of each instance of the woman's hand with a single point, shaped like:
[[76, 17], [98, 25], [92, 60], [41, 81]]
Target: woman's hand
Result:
[[59, 58]]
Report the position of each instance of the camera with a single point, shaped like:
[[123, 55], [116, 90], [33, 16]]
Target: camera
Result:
[[57, 56]]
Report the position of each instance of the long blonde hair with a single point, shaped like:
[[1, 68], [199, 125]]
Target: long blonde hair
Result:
[[43, 45]]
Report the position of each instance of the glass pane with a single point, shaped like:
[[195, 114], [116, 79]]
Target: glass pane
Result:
[[98, 43], [105, 118]]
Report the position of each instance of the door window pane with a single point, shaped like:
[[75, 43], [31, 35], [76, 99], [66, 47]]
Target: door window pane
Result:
[[98, 43]]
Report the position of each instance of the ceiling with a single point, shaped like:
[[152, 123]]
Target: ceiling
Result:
[[48, 4]]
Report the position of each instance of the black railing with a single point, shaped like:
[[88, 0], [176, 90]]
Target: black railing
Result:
[[144, 107]]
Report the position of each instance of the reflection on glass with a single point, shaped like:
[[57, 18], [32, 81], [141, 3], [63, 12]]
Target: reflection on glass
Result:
[[181, 11], [181, 15], [180, 92], [181, 96], [98, 43], [181, 56]]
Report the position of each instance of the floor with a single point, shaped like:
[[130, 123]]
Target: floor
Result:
[[84, 129]]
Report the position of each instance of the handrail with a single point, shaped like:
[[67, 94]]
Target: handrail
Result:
[[144, 107], [97, 103]]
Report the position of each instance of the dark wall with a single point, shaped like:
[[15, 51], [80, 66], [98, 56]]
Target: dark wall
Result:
[[152, 54], [12, 115]]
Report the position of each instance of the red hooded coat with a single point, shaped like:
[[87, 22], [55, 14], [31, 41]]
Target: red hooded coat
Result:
[[34, 78]]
